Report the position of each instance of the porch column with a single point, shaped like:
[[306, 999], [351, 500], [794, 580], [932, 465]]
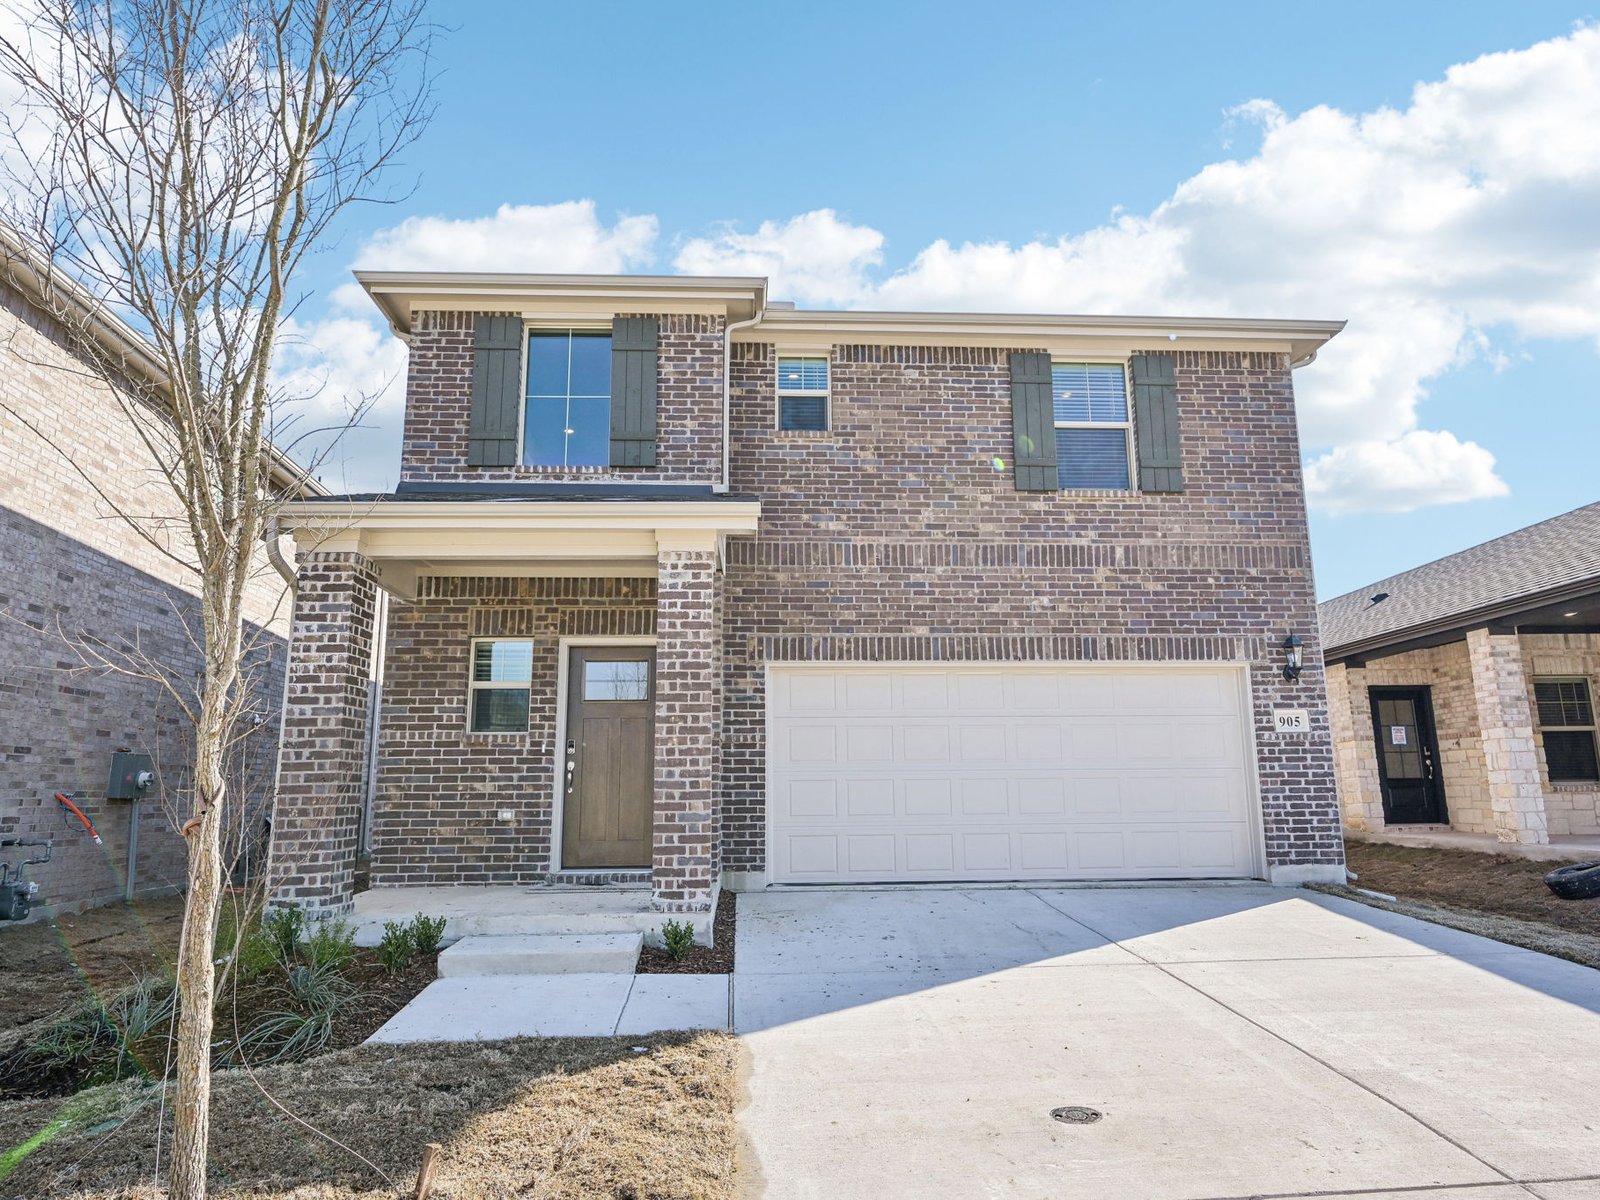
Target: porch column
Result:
[[317, 814], [1505, 723], [1355, 754], [686, 858]]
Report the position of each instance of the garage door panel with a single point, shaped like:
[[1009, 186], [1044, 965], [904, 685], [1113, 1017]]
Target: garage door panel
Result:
[[982, 774]]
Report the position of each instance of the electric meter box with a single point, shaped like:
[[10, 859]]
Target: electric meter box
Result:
[[131, 776]]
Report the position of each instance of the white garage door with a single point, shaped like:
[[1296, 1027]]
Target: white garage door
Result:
[[972, 772]]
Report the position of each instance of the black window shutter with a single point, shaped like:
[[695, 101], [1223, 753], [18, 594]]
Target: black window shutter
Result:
[[1033, 422], [496, 391], [1155, 419], [634, 342]]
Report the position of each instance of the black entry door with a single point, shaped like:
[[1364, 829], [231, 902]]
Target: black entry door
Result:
[[1408, 756]]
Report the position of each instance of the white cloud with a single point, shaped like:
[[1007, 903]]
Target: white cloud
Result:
[[549, 238], [1417, 469], [820, 259], [329, 371], [1434, 229], [1440, 230]]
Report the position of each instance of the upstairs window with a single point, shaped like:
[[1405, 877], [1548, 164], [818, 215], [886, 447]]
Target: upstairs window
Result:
[[501, 685], [802, 393], [1566, 719], [1093, 432], [567, 410]]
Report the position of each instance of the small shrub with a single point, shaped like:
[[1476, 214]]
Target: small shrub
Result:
[[427, 933], [284, 927], [331, 944], [318, 986], [102, 1041], [678, 938], [395, 951], [244, 943]]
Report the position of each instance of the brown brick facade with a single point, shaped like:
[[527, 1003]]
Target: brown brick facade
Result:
[[439, 405], [892, 536], [72, 570], [318, 813], [441, 789]]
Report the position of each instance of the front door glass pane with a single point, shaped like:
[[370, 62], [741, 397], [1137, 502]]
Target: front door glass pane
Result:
[[616, 680]]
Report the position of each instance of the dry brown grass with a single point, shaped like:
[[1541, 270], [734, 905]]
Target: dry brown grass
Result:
[[1494, 896], [554, 1119]]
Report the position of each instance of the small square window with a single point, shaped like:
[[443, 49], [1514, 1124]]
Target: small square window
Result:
[[802, 393], [625, 680], [1093, 429], [1566, 725], [500, 688]]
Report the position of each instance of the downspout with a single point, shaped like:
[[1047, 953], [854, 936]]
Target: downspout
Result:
[[270, 536], [727, 390]]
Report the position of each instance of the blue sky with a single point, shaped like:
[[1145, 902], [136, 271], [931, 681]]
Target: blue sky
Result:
[[1247, 159]]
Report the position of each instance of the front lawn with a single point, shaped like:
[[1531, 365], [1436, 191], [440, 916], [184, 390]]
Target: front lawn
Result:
[[1496, 896], [556, 1118]]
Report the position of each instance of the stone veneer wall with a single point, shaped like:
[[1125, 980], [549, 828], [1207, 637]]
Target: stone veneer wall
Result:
[[70, 567], [1570, 808], [440, 788], [439, 406], [891, 536], [1447, 672]]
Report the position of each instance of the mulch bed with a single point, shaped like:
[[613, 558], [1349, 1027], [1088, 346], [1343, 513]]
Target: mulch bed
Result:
[[54, 966], [702, 960], [558, 1118]]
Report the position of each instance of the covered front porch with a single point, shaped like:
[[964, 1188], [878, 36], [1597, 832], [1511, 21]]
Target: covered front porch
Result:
[[527, 686]]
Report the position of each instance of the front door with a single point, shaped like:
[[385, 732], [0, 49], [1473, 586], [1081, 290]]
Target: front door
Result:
[[1408, 756], [608, 772]]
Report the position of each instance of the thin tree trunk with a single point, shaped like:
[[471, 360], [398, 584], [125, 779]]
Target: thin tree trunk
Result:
[[196, 971]]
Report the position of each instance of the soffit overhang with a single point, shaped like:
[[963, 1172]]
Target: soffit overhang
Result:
[[406, 540]]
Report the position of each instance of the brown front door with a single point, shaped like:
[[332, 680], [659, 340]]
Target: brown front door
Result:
[[608, 775]]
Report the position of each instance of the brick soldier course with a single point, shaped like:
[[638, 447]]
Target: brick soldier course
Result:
[[890, 537]]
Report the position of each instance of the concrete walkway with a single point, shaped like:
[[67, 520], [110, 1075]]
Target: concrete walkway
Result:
[[479, 1008], [1239, 1042]]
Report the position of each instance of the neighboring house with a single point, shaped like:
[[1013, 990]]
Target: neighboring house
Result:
[[692, 589], [70, 569], [1462, 691]]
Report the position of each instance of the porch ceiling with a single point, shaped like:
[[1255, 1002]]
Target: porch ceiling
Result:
[[407, 539]]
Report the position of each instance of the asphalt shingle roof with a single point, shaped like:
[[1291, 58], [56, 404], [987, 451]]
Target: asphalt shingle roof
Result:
[[1561, 551]]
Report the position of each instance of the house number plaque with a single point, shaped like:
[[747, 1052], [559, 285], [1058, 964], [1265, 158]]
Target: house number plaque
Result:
[[1290, 720]]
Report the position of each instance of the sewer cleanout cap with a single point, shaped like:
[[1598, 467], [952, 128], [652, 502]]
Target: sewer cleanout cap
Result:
[[1076, 1114]]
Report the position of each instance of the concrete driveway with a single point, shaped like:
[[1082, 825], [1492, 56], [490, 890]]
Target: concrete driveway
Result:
[[1239, 1042]]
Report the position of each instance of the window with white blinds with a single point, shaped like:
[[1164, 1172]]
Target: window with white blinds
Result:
[[1566, 725], [802, 393], [1093, 431]]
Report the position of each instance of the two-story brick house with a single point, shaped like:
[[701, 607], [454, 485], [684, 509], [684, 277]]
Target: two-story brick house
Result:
[[697, 590]]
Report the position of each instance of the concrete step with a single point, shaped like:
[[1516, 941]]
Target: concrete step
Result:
[[543, 954]]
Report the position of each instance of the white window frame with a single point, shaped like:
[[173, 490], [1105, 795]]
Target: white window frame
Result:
[[1590, 729], [1125, 426], [780, 391], [553, 324], [476, 685]]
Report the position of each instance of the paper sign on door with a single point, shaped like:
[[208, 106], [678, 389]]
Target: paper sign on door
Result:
[[1397, 735]]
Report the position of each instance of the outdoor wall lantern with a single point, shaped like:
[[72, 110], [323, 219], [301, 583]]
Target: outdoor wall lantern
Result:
[[1291, 657]]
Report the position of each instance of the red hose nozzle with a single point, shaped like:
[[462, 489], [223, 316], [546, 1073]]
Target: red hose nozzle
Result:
[[78, 812]]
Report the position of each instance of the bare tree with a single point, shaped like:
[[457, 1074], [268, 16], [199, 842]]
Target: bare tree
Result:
[[176, 161]]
